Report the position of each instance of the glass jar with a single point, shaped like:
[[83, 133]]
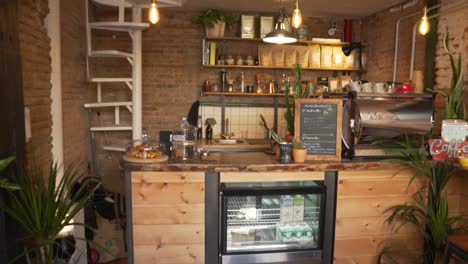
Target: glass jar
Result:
[[239, 60], [184, 141], [229, 60], [249, 60]]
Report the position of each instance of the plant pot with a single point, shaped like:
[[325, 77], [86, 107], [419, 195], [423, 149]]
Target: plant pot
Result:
[[299, 155], [217, 31]]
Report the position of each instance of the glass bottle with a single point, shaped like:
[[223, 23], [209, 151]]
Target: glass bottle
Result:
[[209, 132], [242, 82], [199, 128]]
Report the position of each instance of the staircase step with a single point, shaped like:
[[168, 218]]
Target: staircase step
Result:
[[141, 3], [111, 128], [110, 54], [109, 104], [119, 26], [109, 80], [119, 149]]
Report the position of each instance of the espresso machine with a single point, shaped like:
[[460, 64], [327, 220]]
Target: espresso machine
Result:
[[370, 118]]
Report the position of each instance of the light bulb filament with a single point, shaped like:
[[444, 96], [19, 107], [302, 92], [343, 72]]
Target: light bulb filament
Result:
[[153, 14]]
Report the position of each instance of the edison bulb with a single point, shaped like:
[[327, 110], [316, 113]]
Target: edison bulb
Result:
[[296, 18], [424, 26], [153, 15]]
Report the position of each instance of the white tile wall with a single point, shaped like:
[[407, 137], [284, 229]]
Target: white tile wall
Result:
[[245, 121]]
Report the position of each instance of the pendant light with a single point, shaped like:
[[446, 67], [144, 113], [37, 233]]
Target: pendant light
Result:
[[280, 35], [153, 13], [297, 16], [424, 26]]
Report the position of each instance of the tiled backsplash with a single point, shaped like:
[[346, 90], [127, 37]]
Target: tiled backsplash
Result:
[[244, 120]]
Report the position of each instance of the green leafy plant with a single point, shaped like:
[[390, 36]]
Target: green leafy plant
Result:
[[454, 107], [4, 182], [46, 204], [210, 17], [297, 144], [428, 211], [297, 92]]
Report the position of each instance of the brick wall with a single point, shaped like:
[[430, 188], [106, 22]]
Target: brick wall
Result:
[[378, 31], [75, 89], [35, 60], [455, 21]]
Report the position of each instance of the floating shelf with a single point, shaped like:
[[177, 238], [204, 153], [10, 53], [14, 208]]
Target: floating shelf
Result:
[[244, 94], [308, 42], [277, 68]]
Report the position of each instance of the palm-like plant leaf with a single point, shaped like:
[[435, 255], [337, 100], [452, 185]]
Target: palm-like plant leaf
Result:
[[44, 206]]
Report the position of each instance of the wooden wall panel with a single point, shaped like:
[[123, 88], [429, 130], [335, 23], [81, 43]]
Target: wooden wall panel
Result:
[[168, 217], [170, 254]]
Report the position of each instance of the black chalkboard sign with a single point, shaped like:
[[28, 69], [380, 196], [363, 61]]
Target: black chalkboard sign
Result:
[[318, 126]]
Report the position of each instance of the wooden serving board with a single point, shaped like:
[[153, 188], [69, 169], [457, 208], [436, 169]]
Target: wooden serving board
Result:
[[138, 160]]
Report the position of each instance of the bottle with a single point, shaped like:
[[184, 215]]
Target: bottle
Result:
[[242, 82], [284, 83], [199, 128], [223, 80], [209, 132], [258, 84]]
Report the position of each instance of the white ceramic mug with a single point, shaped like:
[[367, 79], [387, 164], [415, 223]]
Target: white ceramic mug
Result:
[[380, 88], [367, 87], [355, 86]]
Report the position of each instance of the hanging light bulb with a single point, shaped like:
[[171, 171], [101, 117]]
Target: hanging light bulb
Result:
[[424, 26], [297, 16], [280, 35], [153, 13]]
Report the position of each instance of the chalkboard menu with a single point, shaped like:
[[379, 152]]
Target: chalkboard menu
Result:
[[318, 126]]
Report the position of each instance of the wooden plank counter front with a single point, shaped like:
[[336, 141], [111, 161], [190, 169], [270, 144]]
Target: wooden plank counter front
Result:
[[168, 203]]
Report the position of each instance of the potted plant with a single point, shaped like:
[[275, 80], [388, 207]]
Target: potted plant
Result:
[[44, 205], [428, 211], [297, 91], [214, 22], [299, 151]]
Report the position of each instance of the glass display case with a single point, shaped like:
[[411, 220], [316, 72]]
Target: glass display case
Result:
[[272, 217]]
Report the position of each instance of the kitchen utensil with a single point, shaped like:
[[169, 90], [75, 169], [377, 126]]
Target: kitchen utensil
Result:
[[355, 86], [367, 87], [380, 87]]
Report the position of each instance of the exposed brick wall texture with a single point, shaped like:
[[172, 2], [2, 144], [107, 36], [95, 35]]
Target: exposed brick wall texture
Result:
[[35, 60], [378, 31], [455, 21], [75, 89]]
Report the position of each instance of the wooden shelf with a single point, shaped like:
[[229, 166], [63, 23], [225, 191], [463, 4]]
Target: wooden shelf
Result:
[[308, 42], [244, 94], [276, 68]]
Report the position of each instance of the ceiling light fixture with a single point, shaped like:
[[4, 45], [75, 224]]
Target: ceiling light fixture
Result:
[[297, 16], [153, 13], [424, 26], [280, 35]]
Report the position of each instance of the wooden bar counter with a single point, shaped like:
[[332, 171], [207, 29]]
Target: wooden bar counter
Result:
[[167, 207]]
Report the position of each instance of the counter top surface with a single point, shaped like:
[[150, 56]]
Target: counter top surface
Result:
[[252, 162]]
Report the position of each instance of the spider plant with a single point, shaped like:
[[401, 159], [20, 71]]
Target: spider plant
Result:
[[428, 211], [46, 204]]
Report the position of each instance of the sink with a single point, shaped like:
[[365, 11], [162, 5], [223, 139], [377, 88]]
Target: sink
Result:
[[229, 141]]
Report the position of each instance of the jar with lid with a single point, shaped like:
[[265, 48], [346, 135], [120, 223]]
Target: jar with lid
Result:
[[229, 60], [249, 60], [184, 141], [239, 60]]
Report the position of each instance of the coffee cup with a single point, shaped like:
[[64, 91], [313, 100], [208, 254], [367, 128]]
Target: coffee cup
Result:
[[355, 86], [380, 88], [367, 87]]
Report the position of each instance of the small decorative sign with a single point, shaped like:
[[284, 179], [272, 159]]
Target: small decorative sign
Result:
[[442, 150]]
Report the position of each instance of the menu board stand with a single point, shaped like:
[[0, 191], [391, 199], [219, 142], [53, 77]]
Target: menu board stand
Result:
[[318, 126]]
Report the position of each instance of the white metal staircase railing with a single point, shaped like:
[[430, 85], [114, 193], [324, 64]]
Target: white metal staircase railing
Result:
[[134, 29]]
